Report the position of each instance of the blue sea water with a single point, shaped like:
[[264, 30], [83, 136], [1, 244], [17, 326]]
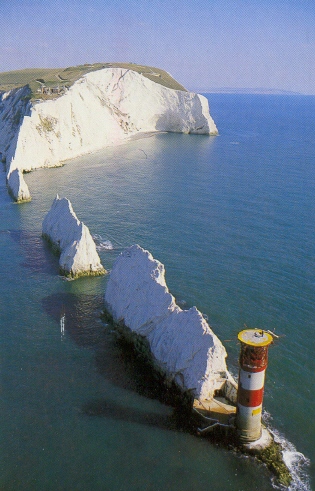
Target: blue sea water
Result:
[[232, 219]]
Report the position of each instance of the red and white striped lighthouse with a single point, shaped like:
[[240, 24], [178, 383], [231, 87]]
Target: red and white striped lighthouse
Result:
[[253, 363]]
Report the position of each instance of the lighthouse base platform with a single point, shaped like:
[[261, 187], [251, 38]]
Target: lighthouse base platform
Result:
[[217, 408], [214, 415]]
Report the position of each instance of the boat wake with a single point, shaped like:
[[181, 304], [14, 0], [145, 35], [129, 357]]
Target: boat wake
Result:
[[62, 323]]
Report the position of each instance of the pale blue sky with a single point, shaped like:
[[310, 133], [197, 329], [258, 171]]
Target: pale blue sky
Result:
[[204, 44]]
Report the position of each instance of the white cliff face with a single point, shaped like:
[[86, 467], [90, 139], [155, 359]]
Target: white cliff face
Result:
[[102, 108], [14, 105], [181, 341], [72, 239]]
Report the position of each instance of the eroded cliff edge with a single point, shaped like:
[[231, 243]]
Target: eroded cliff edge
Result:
[[102, 108]]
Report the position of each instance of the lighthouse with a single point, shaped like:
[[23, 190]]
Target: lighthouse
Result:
[[253, 363]]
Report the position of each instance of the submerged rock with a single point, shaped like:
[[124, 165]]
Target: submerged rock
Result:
[[72, 239], [181, 341]]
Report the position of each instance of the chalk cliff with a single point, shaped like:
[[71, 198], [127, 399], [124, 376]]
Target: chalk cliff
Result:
[[14, 105], [102, 108], [78, 256], [181, 341]]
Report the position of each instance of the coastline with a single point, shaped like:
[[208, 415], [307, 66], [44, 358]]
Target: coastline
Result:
[[278, 384]]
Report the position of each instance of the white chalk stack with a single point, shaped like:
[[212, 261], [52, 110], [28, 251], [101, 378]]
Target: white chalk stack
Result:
[[181, 341], [78, 255]]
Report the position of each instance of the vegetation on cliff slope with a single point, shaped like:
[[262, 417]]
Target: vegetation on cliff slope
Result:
[[63, 78]]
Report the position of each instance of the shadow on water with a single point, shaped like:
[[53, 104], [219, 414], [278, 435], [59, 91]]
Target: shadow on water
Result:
[[115, 360], [38, 255], [172, 420], [82, 318]]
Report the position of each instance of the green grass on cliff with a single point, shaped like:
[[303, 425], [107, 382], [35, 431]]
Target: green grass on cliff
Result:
[[53, 77]]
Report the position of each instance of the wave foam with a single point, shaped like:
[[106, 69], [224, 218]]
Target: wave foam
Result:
[[296, 463], [102, 244]]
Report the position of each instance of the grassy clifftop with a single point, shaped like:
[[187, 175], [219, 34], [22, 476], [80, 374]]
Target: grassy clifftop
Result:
[[53, 78]]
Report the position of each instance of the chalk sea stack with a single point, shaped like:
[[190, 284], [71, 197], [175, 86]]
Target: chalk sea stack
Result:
[[72, 239], [181, 345], [181, 341]]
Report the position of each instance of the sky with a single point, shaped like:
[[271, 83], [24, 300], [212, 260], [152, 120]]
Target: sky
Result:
[[204, 44]]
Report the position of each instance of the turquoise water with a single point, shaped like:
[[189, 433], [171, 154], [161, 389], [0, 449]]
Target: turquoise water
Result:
[[232, 219]]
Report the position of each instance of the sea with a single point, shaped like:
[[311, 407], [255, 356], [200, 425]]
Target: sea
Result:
[[232, 219]]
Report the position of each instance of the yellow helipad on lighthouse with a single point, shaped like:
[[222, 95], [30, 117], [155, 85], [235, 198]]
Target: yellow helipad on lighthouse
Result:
[[255, 337]]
